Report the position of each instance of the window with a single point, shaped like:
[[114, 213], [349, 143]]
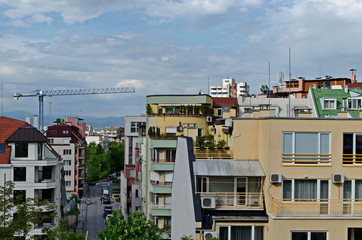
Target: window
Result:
[[40, 151], [50, 140], [354, 233], [2, 148], [352, 190], [66, 141], [297, 235], [169, 110], [272, 112], [67, 151], [329, 103], [202, 184], [219, 112], [21, 150], [170, 155], [67, 183], [132, 173], [306, 148], [199, 132], [302, 190], [241, 232], [67, 172], [19, 196], [67, 162], [155, 155], [65, 132], [53, 131], [352, 147], [354, 103], [19, 174], [134, 127], [171, 131]]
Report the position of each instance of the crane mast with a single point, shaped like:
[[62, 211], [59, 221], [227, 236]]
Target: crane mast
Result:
[[66, 92]]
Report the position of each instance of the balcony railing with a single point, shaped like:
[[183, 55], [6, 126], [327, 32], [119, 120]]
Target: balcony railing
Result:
[[163, 160], [306, 158], [352, 159], [213, 153], [231, 200], [160, 206], [316, 208]]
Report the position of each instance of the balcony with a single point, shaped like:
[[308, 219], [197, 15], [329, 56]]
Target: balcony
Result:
[[161, 188], [160, 210], [335, 208], [163, 165], [215, 153], [306, 159], [236, 201]]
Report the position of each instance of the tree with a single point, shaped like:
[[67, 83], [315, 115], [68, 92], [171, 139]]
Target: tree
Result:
[[60, 232], [117, 155], [136, 227], [264, 89], [98, 162], [18, 214]]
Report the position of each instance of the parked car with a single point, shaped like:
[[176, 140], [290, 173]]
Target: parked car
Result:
[[106, 218], [107, 210], [106, 200]]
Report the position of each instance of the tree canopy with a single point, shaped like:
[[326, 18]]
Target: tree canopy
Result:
[[136, 227], [18, 214], [98, 162], [60, 233]]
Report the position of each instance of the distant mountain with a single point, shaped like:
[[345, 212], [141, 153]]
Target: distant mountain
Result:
[[96, 122]]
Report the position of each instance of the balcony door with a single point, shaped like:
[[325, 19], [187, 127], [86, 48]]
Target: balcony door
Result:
[[240, 191]]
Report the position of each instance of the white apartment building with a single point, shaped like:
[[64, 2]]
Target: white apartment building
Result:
[[229, 88]]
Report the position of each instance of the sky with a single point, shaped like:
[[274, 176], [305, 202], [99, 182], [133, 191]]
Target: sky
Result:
[[167, 47]]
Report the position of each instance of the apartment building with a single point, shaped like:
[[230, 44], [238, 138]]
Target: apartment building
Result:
[[288, 178], [170, 116], [32, 164], [230, 88], [135, 132], [69, 142]]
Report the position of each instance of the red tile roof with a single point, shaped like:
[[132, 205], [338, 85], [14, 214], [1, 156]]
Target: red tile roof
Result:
[[225, 102], [355, 85], [7, 127]]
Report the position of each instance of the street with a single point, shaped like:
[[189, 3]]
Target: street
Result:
[[94, 221]]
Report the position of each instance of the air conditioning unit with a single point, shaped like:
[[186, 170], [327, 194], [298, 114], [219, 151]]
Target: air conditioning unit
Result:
[[209, 234], [275, 178], [208, 119], [338, 178], [208, 202], [179, 128]]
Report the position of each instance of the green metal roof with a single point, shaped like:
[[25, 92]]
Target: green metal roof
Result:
[[338, 94]]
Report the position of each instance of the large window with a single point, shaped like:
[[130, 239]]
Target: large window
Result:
[[352, 147], [19, 174], [19, 196], [67, 152], [310, 235], [21, 150], [352, 190], [241, 233], [302, 190], [170, 155], [329, 103], [306, 148]]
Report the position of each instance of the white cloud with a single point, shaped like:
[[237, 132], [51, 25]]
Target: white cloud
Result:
[[40, 18]]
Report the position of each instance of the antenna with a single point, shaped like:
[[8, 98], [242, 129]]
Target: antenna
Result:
[[269, 85], [280, 78]]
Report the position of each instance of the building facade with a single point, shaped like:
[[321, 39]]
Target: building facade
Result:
[[33, 166], [69, 143]]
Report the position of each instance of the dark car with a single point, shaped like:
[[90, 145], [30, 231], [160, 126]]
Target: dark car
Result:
[[107, 210], [106, 200], [92, 183]]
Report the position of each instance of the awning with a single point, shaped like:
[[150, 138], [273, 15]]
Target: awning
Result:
[[222, 167]]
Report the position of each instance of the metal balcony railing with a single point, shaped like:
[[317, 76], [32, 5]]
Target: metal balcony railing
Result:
[[232, 200], [306, 158], [316, 207], [352, 159]]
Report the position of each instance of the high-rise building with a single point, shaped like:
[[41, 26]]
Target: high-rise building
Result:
[[229, 88]]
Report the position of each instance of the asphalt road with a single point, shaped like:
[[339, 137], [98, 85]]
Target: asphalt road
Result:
[[94, 222]]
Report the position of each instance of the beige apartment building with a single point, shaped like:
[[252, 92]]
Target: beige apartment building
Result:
[[288, 178]]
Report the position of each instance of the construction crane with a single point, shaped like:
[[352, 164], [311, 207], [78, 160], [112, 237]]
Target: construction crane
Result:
[[51, 93]]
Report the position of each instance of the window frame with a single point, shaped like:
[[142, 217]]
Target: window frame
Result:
[[290, 158], [354, 148], [19, 173], [309, 233], [2, 148], [328, 101], [318, 190], [20, 146], [352, 192], [252, 235]]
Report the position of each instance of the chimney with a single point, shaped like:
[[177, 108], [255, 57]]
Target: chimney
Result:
[[36, 122], [353, 76], [27, 119]]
